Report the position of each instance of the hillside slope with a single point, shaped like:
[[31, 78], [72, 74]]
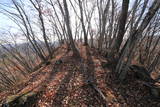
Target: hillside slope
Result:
[[73, 82]]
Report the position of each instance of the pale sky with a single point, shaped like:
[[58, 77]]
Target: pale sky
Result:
[[3, 19], [6, 23]]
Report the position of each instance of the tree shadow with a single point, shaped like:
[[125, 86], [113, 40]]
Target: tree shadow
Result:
[[131, 93], [89, 77], [63, 91], [43, 78], [57, 68], [91, 67], [42, 72]]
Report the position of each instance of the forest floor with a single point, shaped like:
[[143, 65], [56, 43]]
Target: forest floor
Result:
[[66, 84]]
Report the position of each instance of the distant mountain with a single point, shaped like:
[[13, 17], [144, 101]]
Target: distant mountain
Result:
[[21, 47]]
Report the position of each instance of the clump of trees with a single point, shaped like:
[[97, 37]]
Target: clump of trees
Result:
[[123, 31]]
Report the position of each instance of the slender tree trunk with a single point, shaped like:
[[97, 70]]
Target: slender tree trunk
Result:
[[103, 24], [135, 36], [67, 22], [156, 60], [82, 22], [121, 28]]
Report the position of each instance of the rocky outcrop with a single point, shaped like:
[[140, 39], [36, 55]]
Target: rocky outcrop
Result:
[[23, 100]]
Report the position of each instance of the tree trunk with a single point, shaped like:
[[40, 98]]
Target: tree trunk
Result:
[[67, 22], [135, 36], [103, 25], [82, 22], [121, 28]]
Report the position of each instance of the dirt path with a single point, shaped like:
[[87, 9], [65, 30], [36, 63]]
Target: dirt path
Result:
[[66, 84], [70, 84]]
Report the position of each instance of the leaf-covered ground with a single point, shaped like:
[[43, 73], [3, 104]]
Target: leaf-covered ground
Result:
[[66, 84]]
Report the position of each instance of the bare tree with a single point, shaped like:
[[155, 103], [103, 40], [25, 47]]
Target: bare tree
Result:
[[134, 37], [103, 16], [39, 9], [69, 32], [82, 22], [121, 27]]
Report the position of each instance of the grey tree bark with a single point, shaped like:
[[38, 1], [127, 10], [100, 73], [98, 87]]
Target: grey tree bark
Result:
[[67, 22], [134, 37]]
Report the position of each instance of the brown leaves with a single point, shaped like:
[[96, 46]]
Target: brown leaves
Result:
[[67, 87]]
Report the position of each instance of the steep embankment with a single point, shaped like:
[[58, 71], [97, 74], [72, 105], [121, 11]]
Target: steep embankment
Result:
[[72, 82]]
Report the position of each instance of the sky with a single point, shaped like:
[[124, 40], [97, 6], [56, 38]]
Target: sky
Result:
[[7, 24], [4, 21]]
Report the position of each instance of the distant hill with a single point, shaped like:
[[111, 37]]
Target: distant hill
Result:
[[21, 47]]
